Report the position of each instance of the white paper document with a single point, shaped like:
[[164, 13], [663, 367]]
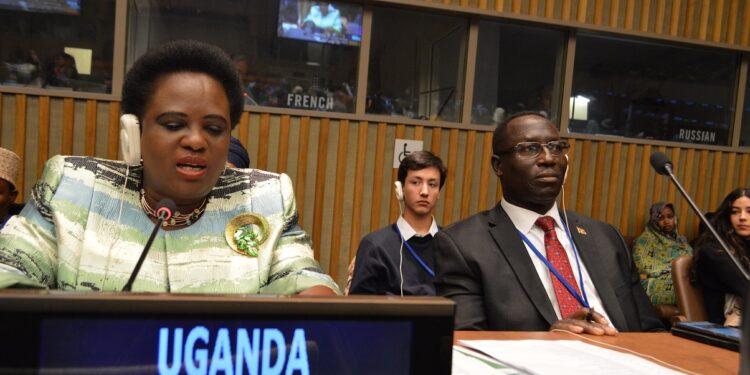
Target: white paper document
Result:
[[564, 357]]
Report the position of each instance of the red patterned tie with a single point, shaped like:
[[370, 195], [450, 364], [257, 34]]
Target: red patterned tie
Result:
[[557, 256]]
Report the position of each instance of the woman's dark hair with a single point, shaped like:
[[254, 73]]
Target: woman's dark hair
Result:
[[419, 160], [181, 56], [722, 221]]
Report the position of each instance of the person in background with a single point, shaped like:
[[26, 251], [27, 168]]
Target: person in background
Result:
[[526, 265], [61, 70], [238, 156], [233, 230], [713, 271], [9, 164], [398, 259], [654, 250]]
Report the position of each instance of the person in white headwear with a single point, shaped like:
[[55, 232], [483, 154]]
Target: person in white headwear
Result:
[[9, 164]]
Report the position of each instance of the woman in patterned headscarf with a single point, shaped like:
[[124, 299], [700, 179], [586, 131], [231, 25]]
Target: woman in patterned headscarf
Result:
[[654, 250]]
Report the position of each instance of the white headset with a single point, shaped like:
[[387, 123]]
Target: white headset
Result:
[[399, 190], [130, 139]]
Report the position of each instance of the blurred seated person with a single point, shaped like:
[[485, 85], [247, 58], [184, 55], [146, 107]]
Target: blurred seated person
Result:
[[654, 250], [61, 70], [88, 219], [249, 85], [398, 259], [713, 271], [238, 156], [9, 164], [24, 68]]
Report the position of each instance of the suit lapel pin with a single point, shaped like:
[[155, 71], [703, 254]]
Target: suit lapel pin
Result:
[[581, 230]]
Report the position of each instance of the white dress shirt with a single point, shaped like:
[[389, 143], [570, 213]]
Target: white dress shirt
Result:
[[524, 220], [408, 232]]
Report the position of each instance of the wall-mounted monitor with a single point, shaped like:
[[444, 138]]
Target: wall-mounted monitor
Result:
[[72, 7], [320, 21]]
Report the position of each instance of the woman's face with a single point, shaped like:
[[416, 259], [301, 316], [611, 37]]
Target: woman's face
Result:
[[185, 137], [741, 216], [666, 220]]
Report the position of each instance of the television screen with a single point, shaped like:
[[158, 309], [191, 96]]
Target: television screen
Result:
[[72, 7], [320, 21]]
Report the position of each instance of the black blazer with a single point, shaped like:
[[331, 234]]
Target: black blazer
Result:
[[482, 264]]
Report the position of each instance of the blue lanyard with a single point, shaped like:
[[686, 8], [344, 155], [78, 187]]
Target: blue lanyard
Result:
[[584, 301], [414, 253]]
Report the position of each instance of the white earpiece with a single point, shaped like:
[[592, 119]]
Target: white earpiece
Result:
[[567, 168], [130, 139], [399, 190]]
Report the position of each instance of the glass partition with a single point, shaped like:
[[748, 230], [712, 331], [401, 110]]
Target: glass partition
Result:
[[651, 90], [290, 53], [518, 68], [417, 64], [57, 44]]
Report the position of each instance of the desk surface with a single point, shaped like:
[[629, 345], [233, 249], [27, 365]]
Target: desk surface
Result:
[[689, 355]]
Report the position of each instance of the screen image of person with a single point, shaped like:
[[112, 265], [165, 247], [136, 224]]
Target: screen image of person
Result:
[[398, 259], [501, 266], [235, 231], [723, 286]]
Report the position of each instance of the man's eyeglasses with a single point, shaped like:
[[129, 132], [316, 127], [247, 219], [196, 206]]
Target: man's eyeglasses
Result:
[[533, 149]]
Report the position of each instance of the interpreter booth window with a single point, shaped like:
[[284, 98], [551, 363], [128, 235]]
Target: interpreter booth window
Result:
[[417, 64], [289, 53], [57, 44], [518, 68], [650, 90]]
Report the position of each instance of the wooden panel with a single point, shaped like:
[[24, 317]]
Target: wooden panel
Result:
[[549, 9], [67, 133], [568, 184], [113, 131], [614, 174], [658, 181], [582, 175], [614, 13], [377, 179], [338, 198], [743, 170], [701, 191], [629, 14], [19, 143], [718, 21], [90, 142], [394, 204], [598, 12], [566, 9], [43, 142], [304, 138], [244, 129], [466, 197], [1, 117], [599, 171], [671, 189], [745, 33], [484, 172], [674, 21], [534, 7], [283, 154], [436, 138], [450, 181], [703, 29], [263, 135], [628, 191], [689, 23], [661, 7], [357, 201], [734, 6], [640, 205], [499, 4], [684, 208], [644, 18], [715, 178], [582, 9], [320, 185], [516, 6]]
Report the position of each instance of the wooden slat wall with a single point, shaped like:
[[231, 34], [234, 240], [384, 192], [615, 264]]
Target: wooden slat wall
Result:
[[343, 173], [718, 21]]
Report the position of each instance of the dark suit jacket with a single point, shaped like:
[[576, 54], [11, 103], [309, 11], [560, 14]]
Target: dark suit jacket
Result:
[[482, 264]]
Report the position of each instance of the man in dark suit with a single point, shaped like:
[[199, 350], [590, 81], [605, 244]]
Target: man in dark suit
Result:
[[497, 265]]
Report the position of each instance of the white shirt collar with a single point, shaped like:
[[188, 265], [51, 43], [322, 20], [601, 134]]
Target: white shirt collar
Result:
[[408, 232], [524, 219]]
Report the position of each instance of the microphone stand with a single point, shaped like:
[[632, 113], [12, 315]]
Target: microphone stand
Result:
[[668, 168], [159, 220]]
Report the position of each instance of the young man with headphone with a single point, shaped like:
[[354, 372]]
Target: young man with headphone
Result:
[[398, 259]]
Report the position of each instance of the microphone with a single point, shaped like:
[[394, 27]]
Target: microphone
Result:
[[663, 166], [164, 210]]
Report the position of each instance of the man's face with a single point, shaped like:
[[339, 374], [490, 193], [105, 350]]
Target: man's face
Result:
[[421, 190], [530, 182]]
